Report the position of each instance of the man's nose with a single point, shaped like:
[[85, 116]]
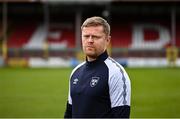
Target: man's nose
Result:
[[90, 39]]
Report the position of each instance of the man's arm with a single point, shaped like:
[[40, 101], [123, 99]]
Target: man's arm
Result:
[[120, 112], [68, 113], [120, 93]]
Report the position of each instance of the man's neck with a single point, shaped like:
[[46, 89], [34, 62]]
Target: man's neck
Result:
[[90, 59]]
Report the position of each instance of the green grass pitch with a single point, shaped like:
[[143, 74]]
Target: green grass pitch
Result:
[[42, 93]]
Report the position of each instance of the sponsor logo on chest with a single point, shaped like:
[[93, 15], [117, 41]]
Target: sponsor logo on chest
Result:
[[75, 81]]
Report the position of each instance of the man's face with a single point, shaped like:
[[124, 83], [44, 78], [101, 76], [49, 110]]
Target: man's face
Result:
[[94, 41]]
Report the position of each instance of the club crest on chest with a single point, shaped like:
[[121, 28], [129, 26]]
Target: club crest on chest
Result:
[[94, 81]]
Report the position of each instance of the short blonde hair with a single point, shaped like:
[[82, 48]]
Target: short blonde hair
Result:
[[97, 21]]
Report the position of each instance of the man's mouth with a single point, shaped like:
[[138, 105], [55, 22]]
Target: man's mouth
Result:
[[89, 47]]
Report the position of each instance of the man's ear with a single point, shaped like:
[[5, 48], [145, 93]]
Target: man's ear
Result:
[[108, 39]]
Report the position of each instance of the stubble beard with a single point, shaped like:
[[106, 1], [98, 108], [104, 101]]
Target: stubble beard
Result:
[[91, 54]]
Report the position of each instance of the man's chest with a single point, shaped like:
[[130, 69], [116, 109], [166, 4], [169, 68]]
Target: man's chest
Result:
[[89, 83]]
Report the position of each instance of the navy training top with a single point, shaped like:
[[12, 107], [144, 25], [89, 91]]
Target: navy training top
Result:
[[100, 88]]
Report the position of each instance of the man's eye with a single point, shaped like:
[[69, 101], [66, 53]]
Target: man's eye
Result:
[[96, 37], [85, 36]]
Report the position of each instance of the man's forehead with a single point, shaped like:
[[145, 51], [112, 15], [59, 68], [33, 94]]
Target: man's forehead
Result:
[[94, 29]]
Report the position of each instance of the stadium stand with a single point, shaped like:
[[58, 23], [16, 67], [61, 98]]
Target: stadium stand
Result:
[[57, 38], [177, 35], [140, 36], [32, 36], [1, 31], [142, 32], [69, 35], [37, 39], [20, 35], [138, 31], [121, 35], [62, 36]]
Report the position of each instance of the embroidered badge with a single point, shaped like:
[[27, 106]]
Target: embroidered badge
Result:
[[94, 81]]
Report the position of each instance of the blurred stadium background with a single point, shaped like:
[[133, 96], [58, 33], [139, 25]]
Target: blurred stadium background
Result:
[[40, 43]]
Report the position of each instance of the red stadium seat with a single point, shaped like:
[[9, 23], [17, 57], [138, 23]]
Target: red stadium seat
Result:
[[20, 35], [121, 36]]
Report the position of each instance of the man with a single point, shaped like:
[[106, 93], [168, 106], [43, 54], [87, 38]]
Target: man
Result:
[[99, 87]]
